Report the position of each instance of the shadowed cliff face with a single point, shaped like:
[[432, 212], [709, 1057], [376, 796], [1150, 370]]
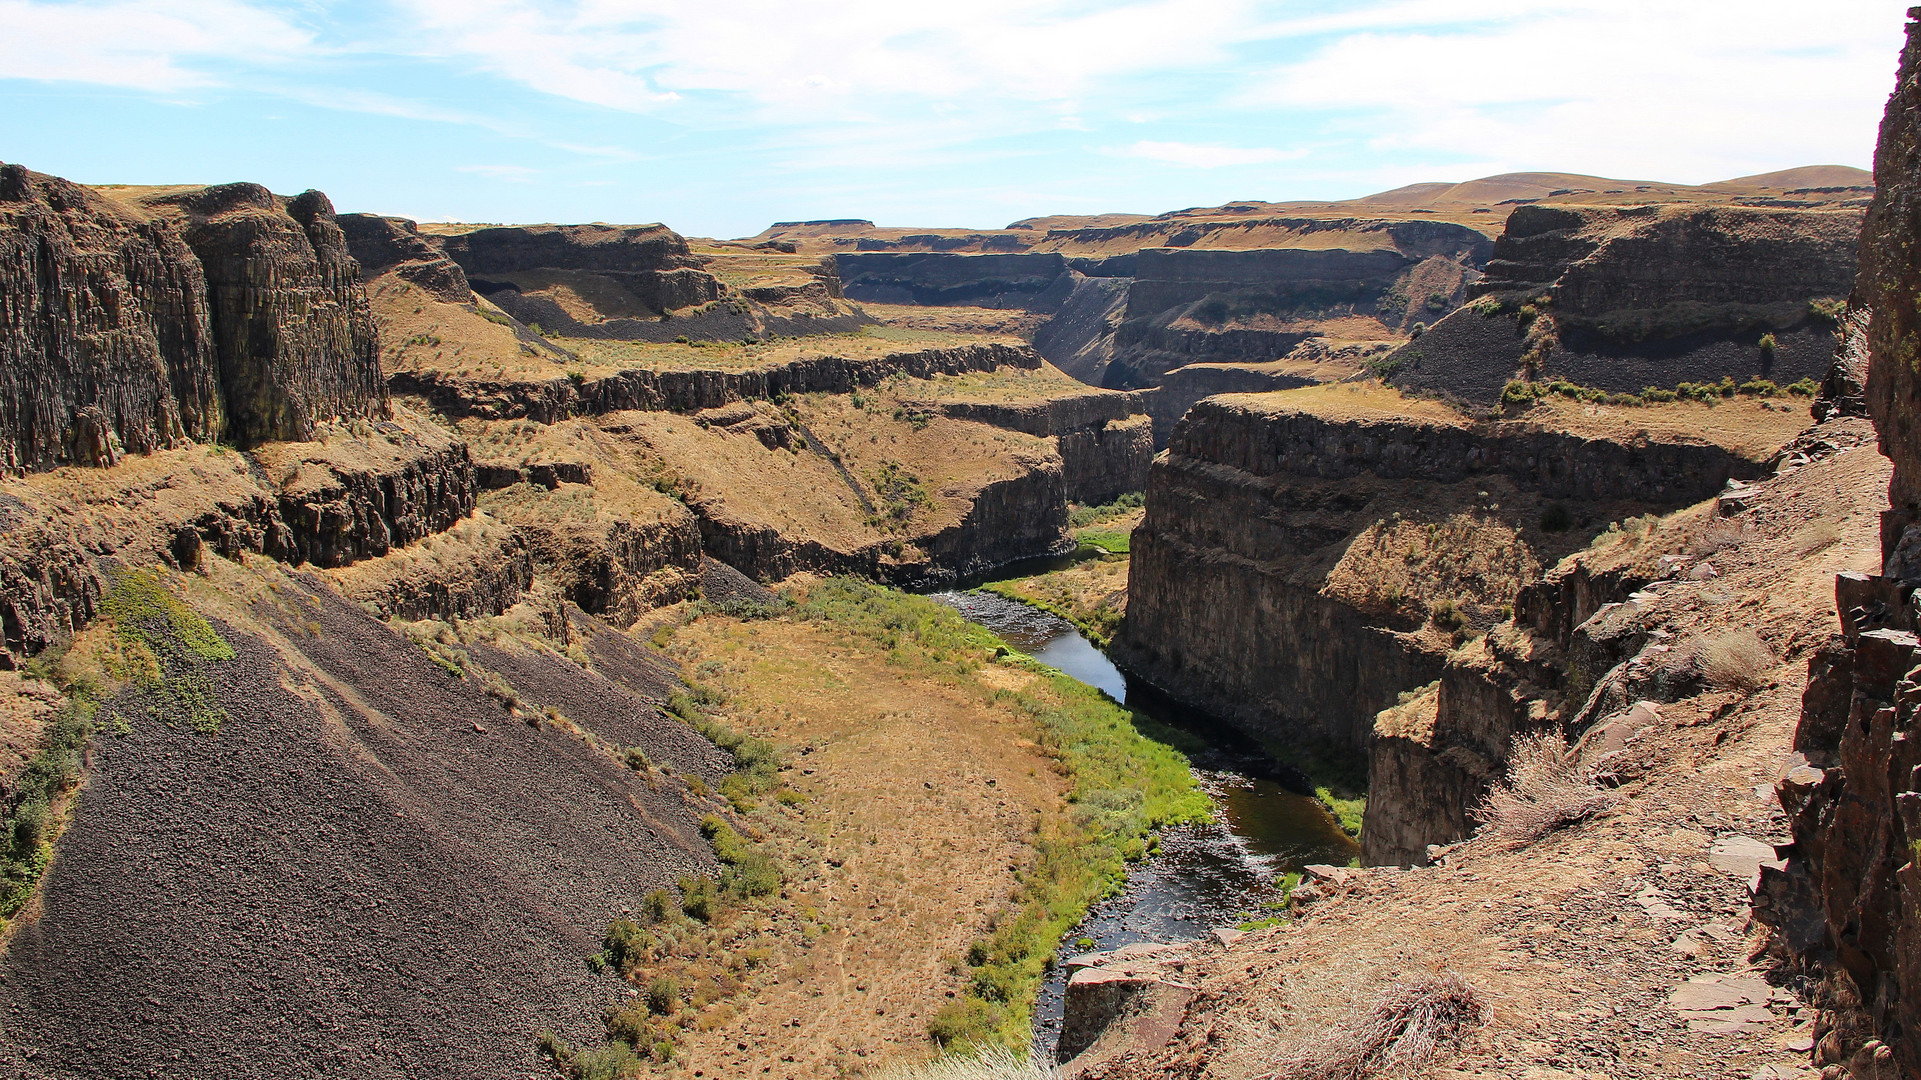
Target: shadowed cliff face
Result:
[[1851, 897], [380, 244], [292, 327], [106, 342]]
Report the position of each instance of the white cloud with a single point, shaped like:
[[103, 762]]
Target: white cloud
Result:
[[1207, 156], [1640, 88], [158, 45], [846, 62]]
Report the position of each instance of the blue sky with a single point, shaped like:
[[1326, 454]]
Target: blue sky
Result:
[[720, 117]]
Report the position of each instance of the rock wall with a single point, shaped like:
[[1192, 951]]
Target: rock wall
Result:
[[1850, 898], [106, 342], [691, 391], [291, 324], [329, 503], [1255, 504], [1637, 296], [1104, 438], [380, 244], [1030, 281]]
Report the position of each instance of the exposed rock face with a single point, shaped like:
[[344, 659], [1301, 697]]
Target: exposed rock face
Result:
[[1079, 339], [1851, 897], [1189, 305], [291, 324], [380, 244], [1105, 440], [1237, 600], [332, 503], [1032, 282], [106, 344], [651, 264], [1639, 296], [691, 391]]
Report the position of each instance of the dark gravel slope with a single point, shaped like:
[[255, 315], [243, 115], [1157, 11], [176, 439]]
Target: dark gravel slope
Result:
[[377, 872]]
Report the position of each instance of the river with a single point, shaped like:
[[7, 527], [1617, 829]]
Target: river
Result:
[[1216, 874]]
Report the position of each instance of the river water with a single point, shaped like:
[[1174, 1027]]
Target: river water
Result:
[[1216, 874]]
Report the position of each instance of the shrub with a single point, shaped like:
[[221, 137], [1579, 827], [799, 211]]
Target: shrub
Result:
[[1803, 388], [1655, 393], [964, 1021], [612, 1061], [1827, 308], [1767, 344], [1528, 314], [1519, 392], [1736, 659], [1545, 789], [1486, 307], [1756, 386], [699, 898], [659, 906], [1447, 615], [662, 996], [1416, 330], [626, 945], [1556, 518], [1411, 1024]]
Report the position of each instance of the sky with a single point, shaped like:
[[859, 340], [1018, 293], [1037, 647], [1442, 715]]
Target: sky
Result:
[[719, 117]]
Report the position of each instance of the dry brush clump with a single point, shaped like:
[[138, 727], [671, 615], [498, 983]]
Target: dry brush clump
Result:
[[976, 1063], [1410, 1025], [1736, 659], [1546, 788]]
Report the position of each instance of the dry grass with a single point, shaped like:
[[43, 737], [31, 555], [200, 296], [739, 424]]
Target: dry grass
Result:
[[1411, 1024], [1545, 789], [980, 1063], [1720, 535], [1736, 659]]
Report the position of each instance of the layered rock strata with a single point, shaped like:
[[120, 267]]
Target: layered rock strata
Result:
[[1259, 587], [291, 323], [1850, 898], [688, 391], [106, 340], [1629, 297]]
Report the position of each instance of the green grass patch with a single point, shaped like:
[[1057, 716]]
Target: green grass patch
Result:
[[166, 649], [1114, 543]]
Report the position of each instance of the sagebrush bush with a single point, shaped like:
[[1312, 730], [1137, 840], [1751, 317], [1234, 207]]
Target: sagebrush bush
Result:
[[1545, 789], [1736, 659], [1409, 1026]]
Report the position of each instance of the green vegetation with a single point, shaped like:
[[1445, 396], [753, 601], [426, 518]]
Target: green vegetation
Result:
[[1525, 392], [1767, 345], [1083, 516], [1113, 543], [756, 761], [1124, 787], [166, 648], [747, 871], [899, 493], [1828, 308], [160, 645]]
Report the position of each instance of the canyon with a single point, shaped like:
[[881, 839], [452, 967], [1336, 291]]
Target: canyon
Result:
[[495, 645]]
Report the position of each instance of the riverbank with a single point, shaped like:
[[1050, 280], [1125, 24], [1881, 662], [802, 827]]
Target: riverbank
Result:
[[1219, 872], [959, 808]]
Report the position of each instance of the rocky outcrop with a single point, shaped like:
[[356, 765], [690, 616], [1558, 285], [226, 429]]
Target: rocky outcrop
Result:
[[1629, 297], [341, 500], [684, 391], [1030, 282], [292, 327], [1238, 600], [1104, 438], [1079, 339], [381, 244], [1850, 898], [106, 342], [650, 266], [1014, 518]]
